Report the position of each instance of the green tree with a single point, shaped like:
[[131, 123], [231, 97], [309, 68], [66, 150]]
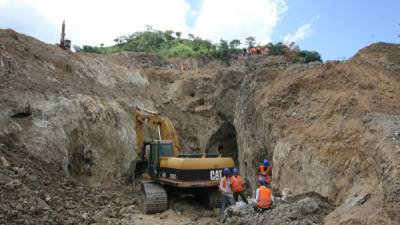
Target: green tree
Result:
[[178, 35], [277, 49], [251, 41], [121, 40], [179, 50], [191, 37], [168, 35], [148, 27], [309, 56], [234, 43], [90, 49], [223, 52]]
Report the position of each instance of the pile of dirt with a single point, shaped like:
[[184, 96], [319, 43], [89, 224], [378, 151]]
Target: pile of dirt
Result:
[[35, 192], [309, 208]]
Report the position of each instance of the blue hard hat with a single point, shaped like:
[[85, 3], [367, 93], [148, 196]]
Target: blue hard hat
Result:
[[266, 163], [227, 171], [235, 170]]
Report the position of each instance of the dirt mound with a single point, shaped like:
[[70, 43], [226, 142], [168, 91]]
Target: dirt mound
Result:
[[303, 209], [36, 192]]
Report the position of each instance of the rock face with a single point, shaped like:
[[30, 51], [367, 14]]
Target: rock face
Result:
[[67, 108], [331, 128], [202, 109]]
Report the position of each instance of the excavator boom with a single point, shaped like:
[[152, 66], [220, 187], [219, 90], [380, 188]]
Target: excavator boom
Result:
[[154, 121]]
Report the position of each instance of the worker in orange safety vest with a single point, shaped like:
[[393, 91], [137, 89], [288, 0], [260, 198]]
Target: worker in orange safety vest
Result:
[[264, 197], [265, 172], [238, 186]]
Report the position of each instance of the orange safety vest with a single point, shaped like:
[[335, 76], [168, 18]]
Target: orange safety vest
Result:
[[262, 169], [266, 174], [264, 197], [236, 182]]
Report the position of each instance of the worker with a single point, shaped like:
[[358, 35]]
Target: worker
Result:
[[238, 186], [265, 172], [264, 198], [225, 188]]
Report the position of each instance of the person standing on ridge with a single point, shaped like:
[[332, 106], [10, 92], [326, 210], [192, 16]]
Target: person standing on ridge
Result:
[[225, 187], [238, 186]]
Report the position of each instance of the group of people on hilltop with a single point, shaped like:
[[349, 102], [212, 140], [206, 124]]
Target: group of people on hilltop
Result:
[[246, 52], [232, 186]]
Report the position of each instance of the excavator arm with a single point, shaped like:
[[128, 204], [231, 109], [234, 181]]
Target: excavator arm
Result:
[[161, 125]]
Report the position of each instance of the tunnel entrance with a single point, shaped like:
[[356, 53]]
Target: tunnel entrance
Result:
[[224, 141]]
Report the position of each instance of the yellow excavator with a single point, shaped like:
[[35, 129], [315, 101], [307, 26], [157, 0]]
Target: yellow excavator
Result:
[[163, 163]]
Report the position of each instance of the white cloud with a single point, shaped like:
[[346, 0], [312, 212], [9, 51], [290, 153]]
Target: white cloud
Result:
[[229, 19], [99, 21], [3, 3], [302, 32]]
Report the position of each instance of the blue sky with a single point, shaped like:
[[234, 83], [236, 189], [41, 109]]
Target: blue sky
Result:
[[336, 29], [343, 26]]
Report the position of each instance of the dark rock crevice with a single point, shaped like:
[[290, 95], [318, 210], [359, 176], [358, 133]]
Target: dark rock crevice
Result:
[[224, 141]]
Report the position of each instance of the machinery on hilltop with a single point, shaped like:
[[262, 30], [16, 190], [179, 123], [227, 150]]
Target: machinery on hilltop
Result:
[[163, 164], [64, 43]]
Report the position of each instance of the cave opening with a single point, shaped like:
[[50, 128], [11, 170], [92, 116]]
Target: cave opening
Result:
[[224, 142]]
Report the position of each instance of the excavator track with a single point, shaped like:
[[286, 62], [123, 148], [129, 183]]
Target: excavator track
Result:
[[214, 199], [155, 198]]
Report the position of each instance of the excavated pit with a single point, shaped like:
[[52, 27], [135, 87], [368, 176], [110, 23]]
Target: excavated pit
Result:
[[67, 132]]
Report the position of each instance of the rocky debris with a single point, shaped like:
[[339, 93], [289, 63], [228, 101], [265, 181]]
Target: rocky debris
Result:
[[304, 209], [13, 184], [3, 162], [35, 192]]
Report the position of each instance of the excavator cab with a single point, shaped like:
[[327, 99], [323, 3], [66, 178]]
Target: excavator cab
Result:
[[158, 149]]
